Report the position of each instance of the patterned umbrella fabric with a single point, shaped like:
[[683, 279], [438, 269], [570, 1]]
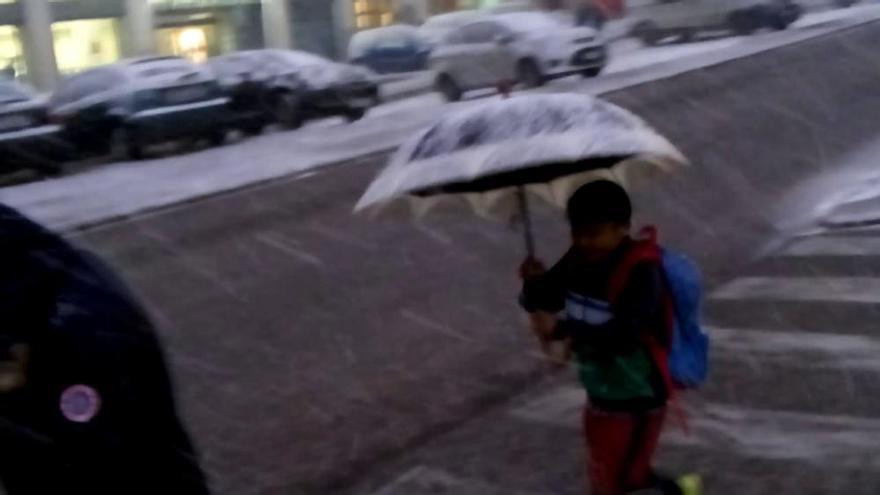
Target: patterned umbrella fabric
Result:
[[492, 154]]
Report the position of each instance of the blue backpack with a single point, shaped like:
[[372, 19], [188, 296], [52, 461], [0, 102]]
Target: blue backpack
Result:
[[689, 354]]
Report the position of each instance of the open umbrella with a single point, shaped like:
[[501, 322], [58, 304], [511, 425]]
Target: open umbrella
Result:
[[494, 154]]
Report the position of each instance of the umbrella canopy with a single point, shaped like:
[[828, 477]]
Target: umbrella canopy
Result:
[[489, 154]]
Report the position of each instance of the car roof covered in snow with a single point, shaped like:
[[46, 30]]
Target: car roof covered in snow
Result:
[[452, 19], [11, 92], [364, 39], [528, 22]]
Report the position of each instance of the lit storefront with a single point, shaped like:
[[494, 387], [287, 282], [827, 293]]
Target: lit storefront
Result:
[[198, 29], [370, 14], [12, 63], [85, 43]]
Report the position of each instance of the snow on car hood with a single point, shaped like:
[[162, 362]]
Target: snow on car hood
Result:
[[568, 35], [320, 73], [320, 76]]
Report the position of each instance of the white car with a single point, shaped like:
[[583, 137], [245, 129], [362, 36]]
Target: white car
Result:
[[438, 26], [526, 47]]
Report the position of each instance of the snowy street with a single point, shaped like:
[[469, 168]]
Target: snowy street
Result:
[[317, 351], [320, 352], [94, 195]]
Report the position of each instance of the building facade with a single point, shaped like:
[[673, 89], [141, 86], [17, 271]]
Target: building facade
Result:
[[43, 40]]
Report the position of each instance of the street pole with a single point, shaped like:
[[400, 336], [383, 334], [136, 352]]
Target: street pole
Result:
[[276, 24], [39, 48]]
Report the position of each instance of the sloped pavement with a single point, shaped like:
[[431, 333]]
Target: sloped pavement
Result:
[[792, 407]]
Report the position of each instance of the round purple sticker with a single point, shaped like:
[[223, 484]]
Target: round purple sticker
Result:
[[80, 403]]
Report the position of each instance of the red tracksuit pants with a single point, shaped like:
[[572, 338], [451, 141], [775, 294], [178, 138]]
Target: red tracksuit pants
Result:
[[620, 447]]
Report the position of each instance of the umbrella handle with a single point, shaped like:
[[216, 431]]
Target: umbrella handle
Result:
[[526, 218]]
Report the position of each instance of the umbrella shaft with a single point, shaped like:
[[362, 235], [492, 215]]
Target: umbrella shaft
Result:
[[526, 221]]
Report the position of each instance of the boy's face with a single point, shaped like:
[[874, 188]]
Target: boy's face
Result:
[[596, 241]]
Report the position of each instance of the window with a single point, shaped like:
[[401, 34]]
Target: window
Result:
[[373, 13], [84, 44]]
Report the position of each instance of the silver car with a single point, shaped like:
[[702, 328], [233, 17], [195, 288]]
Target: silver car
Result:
[[525, 47], [685, 19]]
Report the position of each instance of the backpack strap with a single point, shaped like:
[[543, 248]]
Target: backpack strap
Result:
[[646, 249]]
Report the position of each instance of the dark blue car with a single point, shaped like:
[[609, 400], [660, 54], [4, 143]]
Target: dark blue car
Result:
[[390, 49]]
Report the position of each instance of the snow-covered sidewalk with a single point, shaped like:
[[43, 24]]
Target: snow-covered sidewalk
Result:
[[124, 189]]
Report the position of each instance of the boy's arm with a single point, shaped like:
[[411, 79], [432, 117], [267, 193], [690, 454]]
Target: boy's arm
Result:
[[542, 296], [543, 291], [633, 312]]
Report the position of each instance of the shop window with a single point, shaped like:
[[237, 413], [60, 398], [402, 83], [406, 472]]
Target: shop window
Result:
[[12, 65], [83, 44], [370, 14], [195, 42]]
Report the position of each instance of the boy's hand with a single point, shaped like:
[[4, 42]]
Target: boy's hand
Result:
[[531, 268], [557, 353]]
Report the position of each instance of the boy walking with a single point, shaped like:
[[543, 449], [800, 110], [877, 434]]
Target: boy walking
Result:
[[617, 321]]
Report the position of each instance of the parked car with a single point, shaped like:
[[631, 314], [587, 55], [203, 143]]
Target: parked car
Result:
[[435, 28], [27, 138], [512, 6], [684, 19], [528, 48], [123, 107], [261, 91], [390, 49], [297, 86]]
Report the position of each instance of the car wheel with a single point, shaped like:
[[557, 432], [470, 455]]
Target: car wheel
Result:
[[124, 144], [686, 35], [217, 137], [529, 74], [593, 72], [647, 32], [744, 23], [778, 23], [448, 88], [287, 111], [355, 114], [49, 169], [254, 129]]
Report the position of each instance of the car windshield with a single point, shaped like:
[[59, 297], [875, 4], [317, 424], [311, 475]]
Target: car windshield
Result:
[[528, 22], [11, 92], [388, 37]]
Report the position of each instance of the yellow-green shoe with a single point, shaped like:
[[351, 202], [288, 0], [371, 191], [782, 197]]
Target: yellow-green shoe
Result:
[[691, 484]]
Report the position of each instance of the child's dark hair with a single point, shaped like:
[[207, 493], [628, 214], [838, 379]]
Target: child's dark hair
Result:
[[599, 202]]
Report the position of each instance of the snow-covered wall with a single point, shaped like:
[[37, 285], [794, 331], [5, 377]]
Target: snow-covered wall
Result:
[[757, 128]]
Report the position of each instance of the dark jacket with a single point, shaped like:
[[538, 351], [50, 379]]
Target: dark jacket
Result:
[[85, 330], [608, 337]]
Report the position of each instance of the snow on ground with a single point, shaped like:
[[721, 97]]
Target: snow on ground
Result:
[[127, 188], [847, 195], [629, 54]]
